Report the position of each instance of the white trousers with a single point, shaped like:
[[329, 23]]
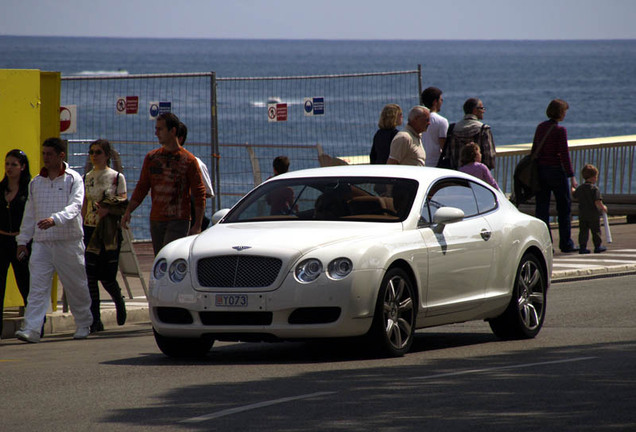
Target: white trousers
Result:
[[66, 257]]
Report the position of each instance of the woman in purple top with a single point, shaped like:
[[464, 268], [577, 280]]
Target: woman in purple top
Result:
[[470, 161], [555, 167]]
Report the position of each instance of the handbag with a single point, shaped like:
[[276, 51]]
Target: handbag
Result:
[[526, 175], [444, 158]]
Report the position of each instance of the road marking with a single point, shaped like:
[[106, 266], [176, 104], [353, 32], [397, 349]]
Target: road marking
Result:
[[251, 407], [476, 371], [594, 262]]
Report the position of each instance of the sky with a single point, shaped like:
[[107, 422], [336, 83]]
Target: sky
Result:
[[322, 19]]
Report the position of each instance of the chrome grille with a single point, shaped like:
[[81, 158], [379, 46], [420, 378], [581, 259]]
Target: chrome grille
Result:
[[238, 271]]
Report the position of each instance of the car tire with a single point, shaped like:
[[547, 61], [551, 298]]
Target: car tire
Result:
[[183, 347], [525, 314], [393, 327]]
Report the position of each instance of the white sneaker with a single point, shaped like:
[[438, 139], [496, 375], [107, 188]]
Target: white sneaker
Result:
[[30, 336], [82, 333]]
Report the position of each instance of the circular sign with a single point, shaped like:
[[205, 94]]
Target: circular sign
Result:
[[309, 106], [271, 112], [154, 110], [65, 119], [121, 105]]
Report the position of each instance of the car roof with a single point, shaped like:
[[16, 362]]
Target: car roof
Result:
[[421, 174]]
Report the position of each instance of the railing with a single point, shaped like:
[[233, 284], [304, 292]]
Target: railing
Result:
[[613, 156]]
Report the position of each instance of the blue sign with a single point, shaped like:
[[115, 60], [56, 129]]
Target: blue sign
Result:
[[157, 108], [314, 106], [319, 106]]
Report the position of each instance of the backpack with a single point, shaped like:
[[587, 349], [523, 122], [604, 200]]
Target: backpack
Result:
[[525, 179], [453, 146]]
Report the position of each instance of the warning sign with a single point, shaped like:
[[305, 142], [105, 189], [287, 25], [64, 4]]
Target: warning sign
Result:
[[156, 108], [314, 106], [68, 119], [276, 112], [127, 105]]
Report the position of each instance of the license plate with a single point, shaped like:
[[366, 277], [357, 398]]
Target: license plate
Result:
[[230, 300]]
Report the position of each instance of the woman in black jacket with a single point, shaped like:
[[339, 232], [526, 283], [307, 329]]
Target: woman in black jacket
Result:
[[390, 119], [14, 190]]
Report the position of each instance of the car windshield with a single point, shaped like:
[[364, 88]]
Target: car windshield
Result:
[[325, 198]]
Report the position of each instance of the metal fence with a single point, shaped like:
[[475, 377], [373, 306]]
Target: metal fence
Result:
[[235, 125]]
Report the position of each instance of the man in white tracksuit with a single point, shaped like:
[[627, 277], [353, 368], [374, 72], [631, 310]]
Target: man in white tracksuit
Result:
[[52, 218]]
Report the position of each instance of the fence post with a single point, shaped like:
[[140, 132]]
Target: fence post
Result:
[[214, 137], [419, 83]]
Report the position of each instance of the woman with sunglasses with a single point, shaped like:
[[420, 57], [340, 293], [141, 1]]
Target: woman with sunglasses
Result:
[[104, 203], [14, 191]]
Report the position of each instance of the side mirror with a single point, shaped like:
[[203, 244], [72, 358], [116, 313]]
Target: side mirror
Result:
[[446, 215], [216, 217]]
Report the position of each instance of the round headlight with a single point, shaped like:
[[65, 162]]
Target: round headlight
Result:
[[308, 270], [159, 270], [339, 268], [178, 270]]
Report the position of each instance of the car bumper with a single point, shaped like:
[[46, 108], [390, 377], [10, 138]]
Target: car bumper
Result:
[[323, 308]]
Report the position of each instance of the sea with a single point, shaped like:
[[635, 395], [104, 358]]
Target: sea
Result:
[[515, 79]]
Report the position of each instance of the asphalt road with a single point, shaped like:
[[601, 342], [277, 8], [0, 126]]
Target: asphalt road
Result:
[[579, 374]]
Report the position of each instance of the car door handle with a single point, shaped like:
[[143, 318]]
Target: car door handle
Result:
[[485, 234]]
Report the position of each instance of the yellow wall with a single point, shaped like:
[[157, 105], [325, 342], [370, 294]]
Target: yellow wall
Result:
[[30, 107]]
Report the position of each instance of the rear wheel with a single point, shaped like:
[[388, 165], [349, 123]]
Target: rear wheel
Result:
[[526, 312], [183, 347], [393, 327]]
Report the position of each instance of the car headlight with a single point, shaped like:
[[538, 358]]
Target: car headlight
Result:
[[160, 268], [178, 270], [339, 268], [308, 270]]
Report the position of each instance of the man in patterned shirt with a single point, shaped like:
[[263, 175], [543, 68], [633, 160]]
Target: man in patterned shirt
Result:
[[172, 175], [52, 218]]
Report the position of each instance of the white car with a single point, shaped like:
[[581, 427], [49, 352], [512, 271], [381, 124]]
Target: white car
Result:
[[370, 250]]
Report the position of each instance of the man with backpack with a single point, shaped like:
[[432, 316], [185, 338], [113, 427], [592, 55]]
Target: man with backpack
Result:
[[470, 129]]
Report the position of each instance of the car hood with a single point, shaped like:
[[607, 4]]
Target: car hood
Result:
[[273, 238]]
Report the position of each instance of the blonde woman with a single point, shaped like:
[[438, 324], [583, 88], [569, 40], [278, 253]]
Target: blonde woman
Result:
[[390, 118]]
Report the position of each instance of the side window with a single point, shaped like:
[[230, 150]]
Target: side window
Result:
[[450, 193], [486, 200]]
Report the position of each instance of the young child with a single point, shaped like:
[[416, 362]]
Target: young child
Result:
[[470, 163], [590, 209]]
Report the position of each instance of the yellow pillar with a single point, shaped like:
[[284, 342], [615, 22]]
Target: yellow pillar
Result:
[[30, 107]]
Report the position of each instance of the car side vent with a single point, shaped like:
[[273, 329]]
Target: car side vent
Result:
[[238, 271]]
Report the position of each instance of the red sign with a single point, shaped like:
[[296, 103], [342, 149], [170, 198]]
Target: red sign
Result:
[[132, 104], [65, 119], [281, 112]]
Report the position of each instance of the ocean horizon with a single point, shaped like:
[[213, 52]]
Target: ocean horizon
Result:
[[514, 78]]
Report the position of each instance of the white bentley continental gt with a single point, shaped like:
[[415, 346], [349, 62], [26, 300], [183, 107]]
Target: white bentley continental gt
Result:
[[369, 251]]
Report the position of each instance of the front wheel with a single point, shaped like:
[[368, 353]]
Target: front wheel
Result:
[[393, 327], [525, 314], [183, 347]]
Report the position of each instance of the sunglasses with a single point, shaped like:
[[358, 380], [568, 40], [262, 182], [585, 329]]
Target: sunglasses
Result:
[[95, 152]]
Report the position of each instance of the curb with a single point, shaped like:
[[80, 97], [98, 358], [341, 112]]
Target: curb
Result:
[[63, 322], [616, 270]]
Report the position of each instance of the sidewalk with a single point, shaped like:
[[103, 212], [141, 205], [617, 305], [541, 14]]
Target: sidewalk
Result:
[[624, 237]]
